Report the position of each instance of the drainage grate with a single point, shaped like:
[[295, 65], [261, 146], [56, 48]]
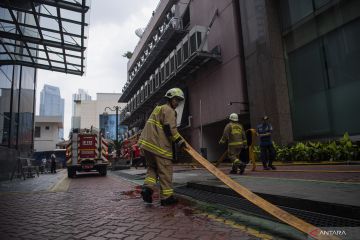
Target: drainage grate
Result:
[[129, 176], [239, 203]]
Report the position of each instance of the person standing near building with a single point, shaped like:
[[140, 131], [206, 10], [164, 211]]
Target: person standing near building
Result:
[[53, 163], [156, 141], [234, 135], [267, 151]]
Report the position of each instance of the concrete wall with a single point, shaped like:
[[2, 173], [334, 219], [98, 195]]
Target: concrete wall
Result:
[[48, 137], [265, 66], [89, 110], [216, 86]]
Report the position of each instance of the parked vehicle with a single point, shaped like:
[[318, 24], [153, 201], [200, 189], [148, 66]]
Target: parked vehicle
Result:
[[87, 151]]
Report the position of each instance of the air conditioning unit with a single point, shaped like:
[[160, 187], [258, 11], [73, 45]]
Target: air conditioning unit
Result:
[[185, 48], [162, 73], [151, 83], [172, 62], [151, 45], [196, 35], [166, 25], [157, 78], [156, 37]]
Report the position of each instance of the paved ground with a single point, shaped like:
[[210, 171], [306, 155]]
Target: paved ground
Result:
[[325, 183], [94, 207]]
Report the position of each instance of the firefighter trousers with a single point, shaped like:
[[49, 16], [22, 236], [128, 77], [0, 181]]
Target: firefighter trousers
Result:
[[233, 153], [159, 168]]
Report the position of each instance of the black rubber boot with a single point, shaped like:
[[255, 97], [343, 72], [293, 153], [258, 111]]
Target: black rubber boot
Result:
[[146, 194], [265, 166], [169, 201], [242, 167], [234, 169], [272, 167]]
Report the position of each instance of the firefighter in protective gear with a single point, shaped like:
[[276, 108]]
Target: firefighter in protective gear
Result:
[[234, 134], [156, 141]]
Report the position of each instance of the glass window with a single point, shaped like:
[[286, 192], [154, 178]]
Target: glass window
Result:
[[15, 107], [5, 99], [108, 125], [325, 84], [342, 52], [320, 3], [294, 10], [37, 132], [26, 110], [308, 96]]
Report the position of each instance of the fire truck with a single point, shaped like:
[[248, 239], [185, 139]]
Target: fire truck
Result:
[[87, 151]]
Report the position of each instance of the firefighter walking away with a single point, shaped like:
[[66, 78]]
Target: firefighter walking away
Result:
[[156, 141], [234, 135]]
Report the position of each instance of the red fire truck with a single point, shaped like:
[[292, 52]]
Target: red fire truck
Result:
[[87, 151]]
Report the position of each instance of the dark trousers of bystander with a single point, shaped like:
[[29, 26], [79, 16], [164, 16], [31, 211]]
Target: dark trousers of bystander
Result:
[[267, 156]]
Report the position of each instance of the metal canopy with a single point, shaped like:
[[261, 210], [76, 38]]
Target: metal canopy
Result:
[[45, 34]]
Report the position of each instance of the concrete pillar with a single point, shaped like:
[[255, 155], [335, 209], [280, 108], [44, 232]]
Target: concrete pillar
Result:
[[265, 66]]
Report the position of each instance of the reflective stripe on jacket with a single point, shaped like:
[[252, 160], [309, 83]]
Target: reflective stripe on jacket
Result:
[[234, 134], [153, 137]]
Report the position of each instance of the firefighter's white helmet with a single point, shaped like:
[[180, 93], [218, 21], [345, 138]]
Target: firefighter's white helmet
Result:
[[234, 117], [175, 92]]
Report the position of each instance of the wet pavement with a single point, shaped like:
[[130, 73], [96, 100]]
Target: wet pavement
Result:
[[338, 184], [95, 207]]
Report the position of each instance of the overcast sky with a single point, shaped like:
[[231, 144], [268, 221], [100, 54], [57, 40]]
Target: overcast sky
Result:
[[112, 33]]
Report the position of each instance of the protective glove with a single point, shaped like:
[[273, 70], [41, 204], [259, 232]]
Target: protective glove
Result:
[[181, 144]]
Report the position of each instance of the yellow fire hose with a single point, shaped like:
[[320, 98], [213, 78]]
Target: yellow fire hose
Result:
[[310, 230]]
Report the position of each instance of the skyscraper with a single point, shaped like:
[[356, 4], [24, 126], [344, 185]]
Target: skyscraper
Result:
[[51, 103], [79, 96]]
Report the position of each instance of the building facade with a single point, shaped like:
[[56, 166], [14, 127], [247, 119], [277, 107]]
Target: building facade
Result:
[[46, 134], [51, 104], [79, 96], [295, 61], [101, 114], [28, 41]]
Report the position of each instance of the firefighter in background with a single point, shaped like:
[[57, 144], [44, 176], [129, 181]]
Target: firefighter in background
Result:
[[267, 151], [234, 135], [156, 141], [137, 158], [125, 151]]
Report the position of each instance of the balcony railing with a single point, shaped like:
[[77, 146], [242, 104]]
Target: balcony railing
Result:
[[186, 58], [163, 34]]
